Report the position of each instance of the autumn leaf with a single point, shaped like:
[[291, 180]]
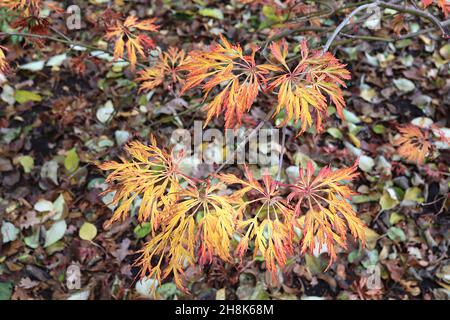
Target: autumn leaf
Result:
[[151, 173], [303, 90], [265, 218], [329, 216], [198, 226], [413, 144], [127, 38], [166, 67], [236, 76]]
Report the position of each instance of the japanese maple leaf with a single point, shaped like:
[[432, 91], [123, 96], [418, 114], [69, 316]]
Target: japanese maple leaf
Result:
[[413, 144], [236, 76], [263, 217], [303, 90], [151, 173], [329, 215], [167, 67], [127, 37], [198, 226]]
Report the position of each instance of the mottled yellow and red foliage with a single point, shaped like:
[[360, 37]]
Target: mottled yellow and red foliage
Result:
[[329, 216], [128, 36]]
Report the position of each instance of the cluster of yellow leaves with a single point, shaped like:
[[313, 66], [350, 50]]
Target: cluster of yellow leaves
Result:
[[263, 217], [329, 215], [237, 75], [307, 86], [125, 36], [198, 221], [443, 4], [303, 91], [167, 67], [151, 174], [413, 144], [194, 221]]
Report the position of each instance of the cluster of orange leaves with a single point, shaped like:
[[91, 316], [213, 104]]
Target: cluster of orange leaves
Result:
[[128, 35], [443, 4], [303, 90], [195, 220]]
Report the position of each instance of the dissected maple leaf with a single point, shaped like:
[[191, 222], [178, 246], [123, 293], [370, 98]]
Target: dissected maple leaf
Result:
[[413, 144], [307, 86], [151, 174], [198, 226], [167, 66], [270, 222], [328, 214], [237, 76], [126, 37]]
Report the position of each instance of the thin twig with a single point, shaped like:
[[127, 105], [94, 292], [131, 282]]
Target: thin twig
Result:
[[416, 12], [345, 22], [280, 162]]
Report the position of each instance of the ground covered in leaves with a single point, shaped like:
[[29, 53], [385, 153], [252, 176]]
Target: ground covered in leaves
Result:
[[57, 124]]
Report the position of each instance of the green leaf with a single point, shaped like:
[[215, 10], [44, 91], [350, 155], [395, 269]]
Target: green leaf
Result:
[[167, 290], [395, 217], [33, 66], [71, 161], [335, 132], [404, 85], [371, 238], [211, 13], [314, 264], [27, 163], [387, 202], [379, 129], [366, 163], [88, 231], [396, 234], [6, 289], [55, 233], [23, 96], [9, 232], [142, 230], [363, 198], [351, 117], [411, 196]]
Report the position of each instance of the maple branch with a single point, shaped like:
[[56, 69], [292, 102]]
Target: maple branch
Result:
[[389, 5], [415, 12], [280, 162], [345, 22], [65, 41]]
